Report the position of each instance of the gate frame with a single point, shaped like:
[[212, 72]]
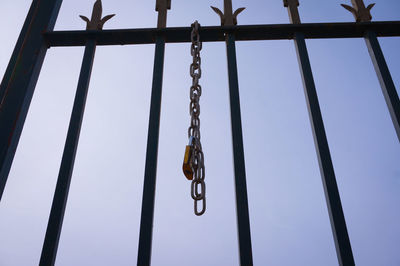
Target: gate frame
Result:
[[37, 35]]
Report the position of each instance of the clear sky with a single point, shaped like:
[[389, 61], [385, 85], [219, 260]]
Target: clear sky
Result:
[[288, 213]]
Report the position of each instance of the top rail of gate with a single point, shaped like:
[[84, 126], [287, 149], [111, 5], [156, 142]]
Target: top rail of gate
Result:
[[217, 33]]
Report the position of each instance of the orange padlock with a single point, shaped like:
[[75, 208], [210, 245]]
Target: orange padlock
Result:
[[187, 168]]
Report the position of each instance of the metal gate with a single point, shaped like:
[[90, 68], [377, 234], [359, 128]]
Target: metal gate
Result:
[[37, 36]]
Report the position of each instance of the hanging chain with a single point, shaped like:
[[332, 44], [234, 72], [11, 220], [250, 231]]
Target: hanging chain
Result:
[[198, 186]]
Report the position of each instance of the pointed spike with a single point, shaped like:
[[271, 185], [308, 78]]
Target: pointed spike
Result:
[[370, 6], [98, 5], [349, 8], [104, 20], [84, 18], [358, 4], [107, 17], [237, 12], [97, 11], [219, 12], [360, 12], [97, 22]]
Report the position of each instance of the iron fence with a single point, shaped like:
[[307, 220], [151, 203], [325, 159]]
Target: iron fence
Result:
[[37, 36]]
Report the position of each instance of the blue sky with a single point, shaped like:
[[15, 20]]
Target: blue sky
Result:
[[289, 218]]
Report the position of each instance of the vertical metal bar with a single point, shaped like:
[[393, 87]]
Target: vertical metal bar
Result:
[[17, 49], [363, 14], [242, 208], [338, 224], [54, 226], [385, 79], [149, 186], [18, 85]]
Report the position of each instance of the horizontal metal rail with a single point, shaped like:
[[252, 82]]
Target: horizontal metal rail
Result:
[[216, 33]]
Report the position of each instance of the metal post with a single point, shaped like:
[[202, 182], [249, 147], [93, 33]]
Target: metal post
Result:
[[149, 186], [363, 14], [20, 79], [54, 226], [338, 223], [385, 79], [17, 49], [242, 208]]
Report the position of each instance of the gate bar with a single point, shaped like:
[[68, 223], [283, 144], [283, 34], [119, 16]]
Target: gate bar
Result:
[[385, 79], [19, 83], [17, 49], [338, 223], [217, 33], [362, 13], [150, 174], [337, 219], [54, 225], [228, 18], [149, 186], [242, 208]]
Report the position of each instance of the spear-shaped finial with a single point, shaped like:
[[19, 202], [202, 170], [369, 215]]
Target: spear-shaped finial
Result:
[[293, 10], [161, 7], [228, 18], [359, 11], [96, 23]]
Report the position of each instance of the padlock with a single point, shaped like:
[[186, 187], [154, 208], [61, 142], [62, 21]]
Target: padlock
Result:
[[187, 169]]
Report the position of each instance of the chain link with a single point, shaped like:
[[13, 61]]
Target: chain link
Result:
[[198, 186]]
